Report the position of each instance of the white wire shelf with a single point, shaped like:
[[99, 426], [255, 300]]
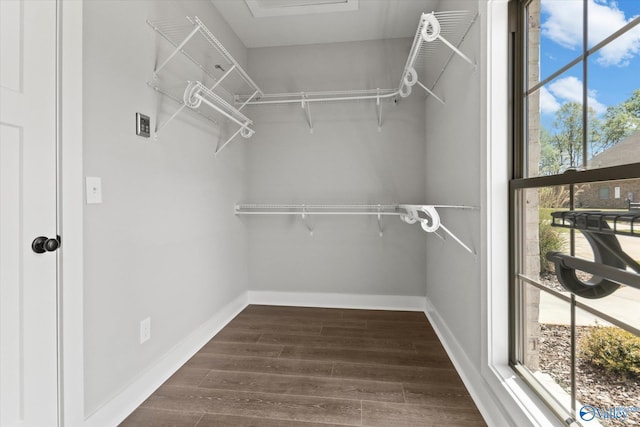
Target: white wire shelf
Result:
[[437, 39], [305, 99], [216, 83], [426, 215], [437, 34]]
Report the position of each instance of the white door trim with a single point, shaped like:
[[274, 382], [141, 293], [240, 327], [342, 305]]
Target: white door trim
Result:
[[71, 206]]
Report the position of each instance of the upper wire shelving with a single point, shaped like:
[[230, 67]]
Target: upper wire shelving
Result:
[[437, 39], [217, 81]]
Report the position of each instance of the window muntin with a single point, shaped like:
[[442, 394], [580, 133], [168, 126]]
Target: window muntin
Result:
[[555, 126], [552, 23]]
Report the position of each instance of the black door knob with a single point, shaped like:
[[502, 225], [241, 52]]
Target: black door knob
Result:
[[44, 244]]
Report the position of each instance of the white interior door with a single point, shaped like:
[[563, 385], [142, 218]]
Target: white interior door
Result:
[[28, 171]]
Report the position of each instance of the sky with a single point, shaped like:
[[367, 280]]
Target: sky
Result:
[[614, 72]]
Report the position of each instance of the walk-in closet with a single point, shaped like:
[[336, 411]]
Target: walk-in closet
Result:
[[330, 171]]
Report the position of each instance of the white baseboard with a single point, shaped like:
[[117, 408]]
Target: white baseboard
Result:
[[334, 300], [478, 388], [116, 410]]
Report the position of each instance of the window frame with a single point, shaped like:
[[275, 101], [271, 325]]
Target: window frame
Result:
[[521, 181]]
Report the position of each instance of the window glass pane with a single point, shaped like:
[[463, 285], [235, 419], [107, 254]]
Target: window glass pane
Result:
[[554, 36], [607, 377], [618, 212], [538, 235], [547, 325], [605, 18], [554, 125], [614, 113]]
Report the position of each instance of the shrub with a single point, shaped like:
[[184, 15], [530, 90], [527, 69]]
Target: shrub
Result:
[[613, 349], [550, 239]]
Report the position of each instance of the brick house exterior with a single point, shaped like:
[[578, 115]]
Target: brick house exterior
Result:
[[612, 194]]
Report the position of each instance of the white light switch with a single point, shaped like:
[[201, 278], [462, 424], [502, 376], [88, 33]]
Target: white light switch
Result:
[[94, 189]]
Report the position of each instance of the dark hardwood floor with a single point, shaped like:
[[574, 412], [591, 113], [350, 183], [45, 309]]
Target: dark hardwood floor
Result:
[[312, 367]]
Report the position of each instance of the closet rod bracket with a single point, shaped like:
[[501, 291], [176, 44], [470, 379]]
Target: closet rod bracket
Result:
[[307, 109]]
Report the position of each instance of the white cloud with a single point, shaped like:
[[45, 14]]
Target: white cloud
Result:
[[567, 89], [622, 50], [548, 102], [563, 25]]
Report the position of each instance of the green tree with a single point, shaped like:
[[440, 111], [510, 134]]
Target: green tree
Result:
[[549, 154], [621, 121], [567, 139], [632, 104]]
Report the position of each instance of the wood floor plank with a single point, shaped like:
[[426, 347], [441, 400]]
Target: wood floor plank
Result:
[[241, 349], [265, 405], [256, 320], [281, 324], [305, 386], [287, 311], [440, 395], [235, 335], [376, 414], [363, 356], [403, 374], [144, 417], [363, 343], [345, 323], [384, 315], [400, 325], [261, 365], [186, 376], [414, 333], [217, 420]]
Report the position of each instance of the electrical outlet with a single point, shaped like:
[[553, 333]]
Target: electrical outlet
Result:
[[145, 330]]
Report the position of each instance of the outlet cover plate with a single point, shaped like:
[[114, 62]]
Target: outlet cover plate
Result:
[[145, 330], [94, 189]]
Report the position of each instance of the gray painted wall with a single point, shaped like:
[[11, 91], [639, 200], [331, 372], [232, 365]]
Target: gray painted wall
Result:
[[345, 160], [453, 163], [165, 243]]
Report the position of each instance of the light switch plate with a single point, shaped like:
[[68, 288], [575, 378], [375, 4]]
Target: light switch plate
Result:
[[143, 125], [94, 189]]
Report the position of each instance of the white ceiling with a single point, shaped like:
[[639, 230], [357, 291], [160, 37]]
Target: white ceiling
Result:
[[302, 22]]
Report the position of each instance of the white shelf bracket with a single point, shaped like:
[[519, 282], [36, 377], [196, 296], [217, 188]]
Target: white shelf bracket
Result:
[[460, 242], [163, 124], [307, 220], [244, 104], [430, 92], [307, 109], [380, 220], [226, 73], [379, 109]]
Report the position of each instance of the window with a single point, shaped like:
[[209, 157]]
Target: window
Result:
[[604, 193], [577, 135]]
